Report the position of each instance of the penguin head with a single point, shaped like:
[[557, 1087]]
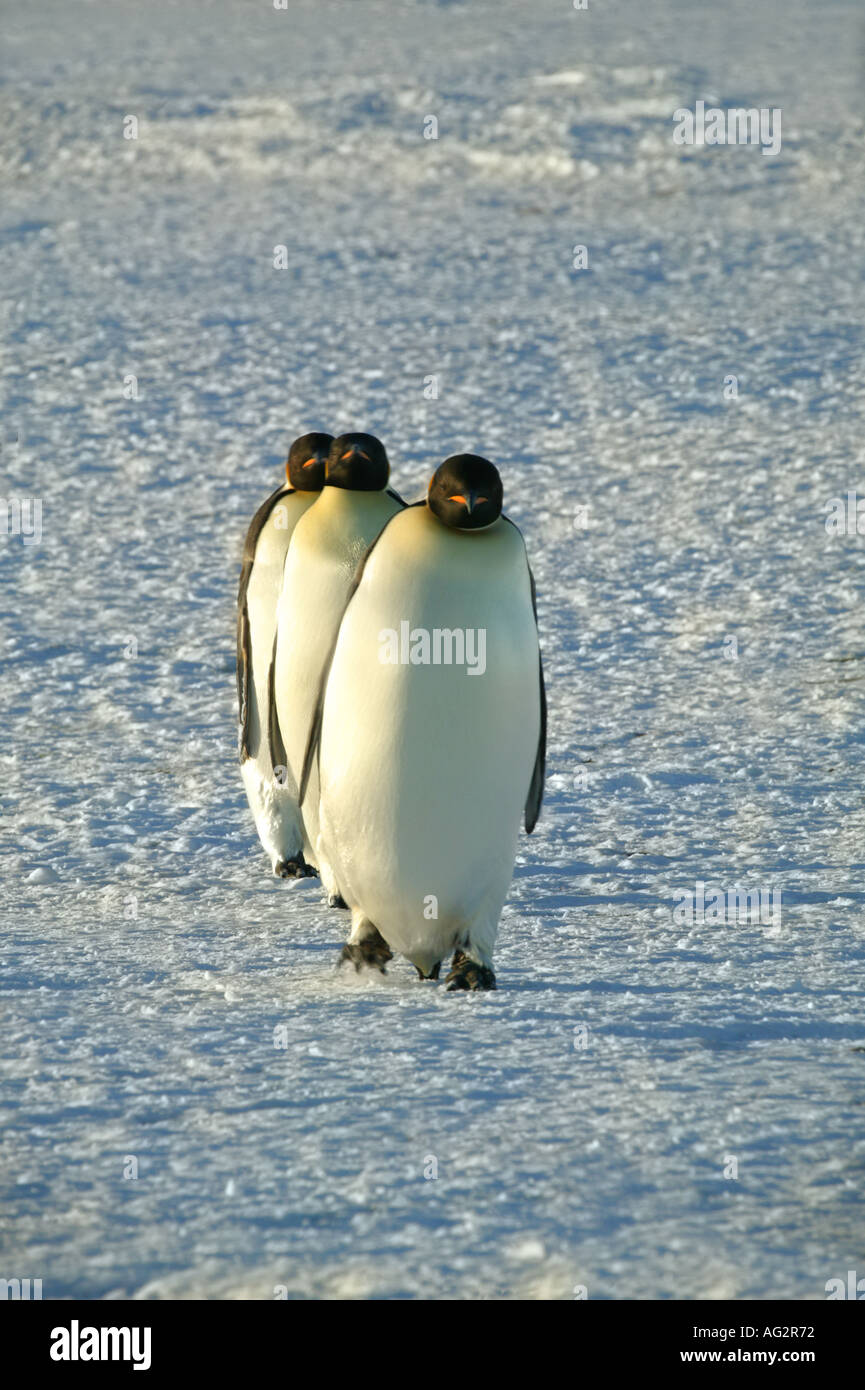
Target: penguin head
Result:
[[357, 462], [465, 492], [306, 460]]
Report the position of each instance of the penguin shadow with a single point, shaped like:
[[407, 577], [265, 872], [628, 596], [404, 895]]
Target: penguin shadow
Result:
[[327, 974], [333, 971], [325, 933], [313, 947]]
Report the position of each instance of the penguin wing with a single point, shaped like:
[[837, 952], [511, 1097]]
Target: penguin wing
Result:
[[536, 786], [396, 497], [255, 528], [244, 648], [314, 740], [277, 747], [244, 671]]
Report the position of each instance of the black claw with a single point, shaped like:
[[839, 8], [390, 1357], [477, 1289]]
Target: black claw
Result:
[[468, 974], [352, 954], [295, 868], [373, 951], [433, 975]]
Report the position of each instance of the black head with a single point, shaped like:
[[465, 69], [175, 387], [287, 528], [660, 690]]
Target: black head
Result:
[[357, 462], [465, 492], [306, 460]]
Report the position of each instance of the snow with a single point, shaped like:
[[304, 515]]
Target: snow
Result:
[[148, 957]]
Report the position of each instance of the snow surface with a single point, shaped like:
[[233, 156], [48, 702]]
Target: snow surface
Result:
[[147, 955]]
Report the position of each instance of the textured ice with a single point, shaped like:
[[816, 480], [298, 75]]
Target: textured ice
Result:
[[148, 957]]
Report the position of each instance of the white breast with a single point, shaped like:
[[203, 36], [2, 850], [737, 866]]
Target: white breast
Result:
[[325, 551], [274, 807], [425, 769], [262, 597]]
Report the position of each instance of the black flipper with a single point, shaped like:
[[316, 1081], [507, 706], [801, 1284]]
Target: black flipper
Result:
[[244, 673], [274, 733], [244, 650], [314, 740], [536, 786]]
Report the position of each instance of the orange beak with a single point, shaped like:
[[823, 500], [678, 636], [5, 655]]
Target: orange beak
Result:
[[469, 502]]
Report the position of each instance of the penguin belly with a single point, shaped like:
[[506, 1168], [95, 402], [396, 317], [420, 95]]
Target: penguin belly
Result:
[[274, 806], [425, 768], [326, 548]]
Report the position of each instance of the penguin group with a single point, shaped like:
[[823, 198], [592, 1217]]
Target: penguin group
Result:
[[391, 699]]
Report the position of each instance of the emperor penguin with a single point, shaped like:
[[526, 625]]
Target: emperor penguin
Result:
[[273, 804], [429, 737], [326, 548]]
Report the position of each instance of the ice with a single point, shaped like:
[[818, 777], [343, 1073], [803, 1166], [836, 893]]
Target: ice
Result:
[[44, 874], [164, 998]]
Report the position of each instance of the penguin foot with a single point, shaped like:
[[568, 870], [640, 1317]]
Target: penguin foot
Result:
[[433, 975], [294, 868], [337, 900], [468, 974], [372, 950]]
